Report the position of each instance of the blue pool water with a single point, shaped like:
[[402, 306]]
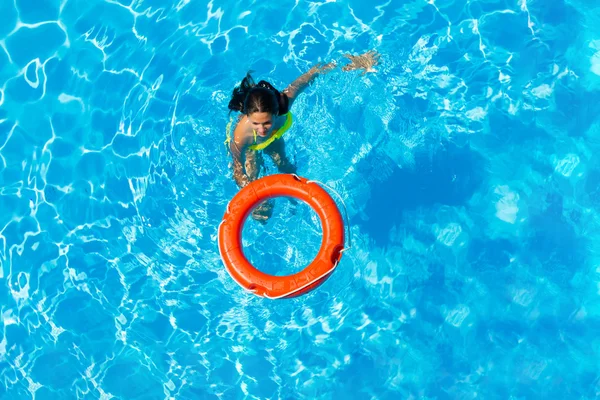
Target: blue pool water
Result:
[[468, 164]]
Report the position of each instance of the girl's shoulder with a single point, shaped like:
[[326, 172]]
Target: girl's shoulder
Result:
[[242, 130]]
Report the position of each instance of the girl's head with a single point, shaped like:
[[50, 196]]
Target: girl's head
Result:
[[249, 98]]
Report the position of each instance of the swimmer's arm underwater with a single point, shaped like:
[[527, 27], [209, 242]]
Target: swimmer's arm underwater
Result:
[[365, 61], [298, 85], [239, 172]]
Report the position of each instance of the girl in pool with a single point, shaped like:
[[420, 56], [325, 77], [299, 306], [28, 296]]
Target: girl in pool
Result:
[[265, 117]]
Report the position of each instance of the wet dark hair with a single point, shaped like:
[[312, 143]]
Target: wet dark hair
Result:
[[249, 98]]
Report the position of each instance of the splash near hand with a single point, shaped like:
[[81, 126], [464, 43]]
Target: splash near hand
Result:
[[365, 61]]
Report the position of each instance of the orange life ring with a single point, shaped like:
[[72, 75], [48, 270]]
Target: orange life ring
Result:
[[277, 287]]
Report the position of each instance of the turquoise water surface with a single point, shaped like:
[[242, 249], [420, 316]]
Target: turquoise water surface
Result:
[[467, 162]]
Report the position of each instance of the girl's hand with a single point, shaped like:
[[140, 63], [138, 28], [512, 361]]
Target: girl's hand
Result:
[[365, 61]]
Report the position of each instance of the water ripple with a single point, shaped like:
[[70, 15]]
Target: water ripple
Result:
[[466, 163]]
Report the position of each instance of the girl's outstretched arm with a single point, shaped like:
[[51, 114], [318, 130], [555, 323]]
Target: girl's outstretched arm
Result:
[[300, 83], [365, 61]]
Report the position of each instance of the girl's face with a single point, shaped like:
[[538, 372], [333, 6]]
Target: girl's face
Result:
[[262, 123]]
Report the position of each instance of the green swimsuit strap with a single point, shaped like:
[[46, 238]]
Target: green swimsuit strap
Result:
[[274, 136]]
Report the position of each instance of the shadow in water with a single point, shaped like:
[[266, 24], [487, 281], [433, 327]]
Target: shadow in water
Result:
[[555, 244], [448, 176]]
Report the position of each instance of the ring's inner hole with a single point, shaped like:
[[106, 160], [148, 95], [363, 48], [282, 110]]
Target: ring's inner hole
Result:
[[286, 242]]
